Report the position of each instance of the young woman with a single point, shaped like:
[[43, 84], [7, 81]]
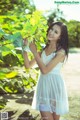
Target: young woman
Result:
[[50, 96]]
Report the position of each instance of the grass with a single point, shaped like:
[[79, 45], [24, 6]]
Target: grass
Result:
[[74, 108]]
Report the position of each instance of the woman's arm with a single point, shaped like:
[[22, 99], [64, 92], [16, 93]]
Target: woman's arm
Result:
[[60, 56], [27, 62]]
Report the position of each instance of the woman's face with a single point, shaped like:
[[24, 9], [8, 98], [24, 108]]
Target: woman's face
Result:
[[54, 33]]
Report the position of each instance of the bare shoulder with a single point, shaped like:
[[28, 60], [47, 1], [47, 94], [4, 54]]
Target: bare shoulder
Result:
[[61, 52], [60, 55]]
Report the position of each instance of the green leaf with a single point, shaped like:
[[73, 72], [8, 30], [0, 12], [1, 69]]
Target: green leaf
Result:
[[8, 89], [8, 37], [4, 48], [1, 32], [11, 74], [28, 86], [18, 41], [2, 75], [2, 106], [5, 70]]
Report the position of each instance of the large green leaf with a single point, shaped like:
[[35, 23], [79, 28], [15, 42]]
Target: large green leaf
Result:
[[4, 48], [2, 75], [8, 89], [1, 32], [18, 41], [11, 74]]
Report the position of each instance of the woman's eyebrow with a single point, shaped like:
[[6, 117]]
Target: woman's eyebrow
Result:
[[55, 29]]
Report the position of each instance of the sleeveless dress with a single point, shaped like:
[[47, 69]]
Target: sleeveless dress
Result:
[[50, 91]]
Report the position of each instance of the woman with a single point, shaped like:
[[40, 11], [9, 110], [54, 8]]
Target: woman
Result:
[[50, 96]]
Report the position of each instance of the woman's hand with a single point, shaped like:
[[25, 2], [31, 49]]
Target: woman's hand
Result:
[[25, 42], [25, 46], [33, 48]]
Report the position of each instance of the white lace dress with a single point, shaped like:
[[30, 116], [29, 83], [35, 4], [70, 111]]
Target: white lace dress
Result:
[[50, 93]]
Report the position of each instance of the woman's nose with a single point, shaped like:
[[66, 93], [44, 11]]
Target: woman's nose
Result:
[[51, 32]]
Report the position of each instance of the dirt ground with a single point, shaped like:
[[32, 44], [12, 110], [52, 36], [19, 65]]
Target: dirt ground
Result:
[[19, 104], [71, 73]]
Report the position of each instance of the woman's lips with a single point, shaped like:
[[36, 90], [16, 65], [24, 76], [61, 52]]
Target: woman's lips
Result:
[[51, 36]]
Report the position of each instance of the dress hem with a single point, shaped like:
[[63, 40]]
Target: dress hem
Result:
[[66, 112]]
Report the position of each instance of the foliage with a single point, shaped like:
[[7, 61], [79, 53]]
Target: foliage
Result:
[[32, 26], [55, 15], [20, 20], [17, 80], [16, 7], [74, 33], [2, 102]]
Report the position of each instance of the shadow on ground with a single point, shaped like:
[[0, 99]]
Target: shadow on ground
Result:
[[18, 106]]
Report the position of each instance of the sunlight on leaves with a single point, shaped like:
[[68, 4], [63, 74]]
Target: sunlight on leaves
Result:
[[12, 74], [8, 90], [2, 75]]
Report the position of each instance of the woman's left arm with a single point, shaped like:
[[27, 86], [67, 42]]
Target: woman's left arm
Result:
[[60, 56]]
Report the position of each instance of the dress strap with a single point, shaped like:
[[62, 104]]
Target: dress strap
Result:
[[61, 51]]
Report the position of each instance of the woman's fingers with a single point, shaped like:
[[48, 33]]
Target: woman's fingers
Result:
[[33, 47], [32, 43], [25, 41]]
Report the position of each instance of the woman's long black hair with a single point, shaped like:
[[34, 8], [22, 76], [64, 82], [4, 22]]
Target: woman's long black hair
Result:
[[63, 41]]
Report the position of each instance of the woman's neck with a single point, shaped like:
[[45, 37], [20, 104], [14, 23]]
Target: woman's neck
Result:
[[52, 45]]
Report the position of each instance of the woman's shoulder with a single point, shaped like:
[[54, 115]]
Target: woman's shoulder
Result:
[[61, 51]]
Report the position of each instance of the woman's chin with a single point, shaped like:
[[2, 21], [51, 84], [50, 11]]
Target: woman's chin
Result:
[[50, 39]]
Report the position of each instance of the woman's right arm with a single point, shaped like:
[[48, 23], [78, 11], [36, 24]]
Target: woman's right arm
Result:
[[28, 63]]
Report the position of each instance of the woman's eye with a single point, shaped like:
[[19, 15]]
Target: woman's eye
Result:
[[56, 32]]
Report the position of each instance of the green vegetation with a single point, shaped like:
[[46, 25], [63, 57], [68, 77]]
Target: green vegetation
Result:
[[18, 21]]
